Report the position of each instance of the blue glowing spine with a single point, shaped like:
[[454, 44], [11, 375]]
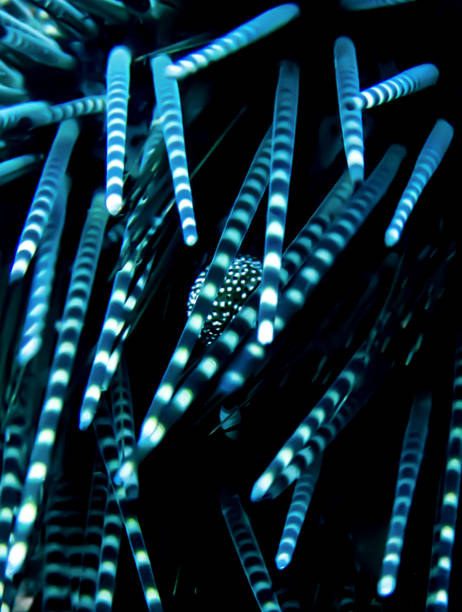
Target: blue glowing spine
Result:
[[402, 84], [282, 150], [322, 258], [364, 5], [110, 545], [441, 562], [171, 118], [24, 44], [91, 548], [129, 308], [42, 282], [65, 12], [306, 457], [337, 393], [112, 327], [246, 318], [8, 21], [428, 161], [108, 448], [59, 521], [408, 471], [299, 249], [11, 169], [122, 411], [89, 105], [303, 492], [347, 79], [161, 414], [249, 552], [37, 112], [118, 84], [42, 113], [44, 197], [14, 461], [74, 313], [236, 39]]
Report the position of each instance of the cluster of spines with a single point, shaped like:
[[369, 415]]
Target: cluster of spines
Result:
[[72, 322], [236, 227]]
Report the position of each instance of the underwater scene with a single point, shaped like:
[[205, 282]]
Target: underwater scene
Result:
[[230, 339]]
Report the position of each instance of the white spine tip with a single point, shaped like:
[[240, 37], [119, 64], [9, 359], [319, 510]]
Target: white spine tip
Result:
[[391, 237]]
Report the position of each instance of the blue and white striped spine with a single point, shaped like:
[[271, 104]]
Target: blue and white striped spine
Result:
[[249, 552], [441, 562], [169, 105], [236, 39], [20, 42], [282, 150], [42, 282], [301, 499], [409, 467], [337, 393], [428, 161], [45, 196], [112, 327], [364, 5], [68, 14], [407, 82], [118, 84], [347, 79]]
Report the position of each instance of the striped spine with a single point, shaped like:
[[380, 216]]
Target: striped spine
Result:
[[282, 150], [112, 326], [337, 393], [118, 84], [44, 197], [428, 161], [171, 118], [408, 471], [441, 563], [42, 282], [407, 82], [347, 79], [68, 14], [18, 41], [303, 492], [249, 552], [236, 39]]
